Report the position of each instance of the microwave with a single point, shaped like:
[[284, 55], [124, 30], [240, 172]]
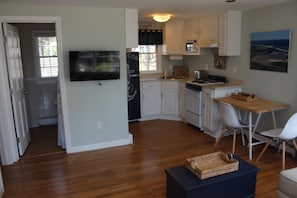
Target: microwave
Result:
[[192, 46]]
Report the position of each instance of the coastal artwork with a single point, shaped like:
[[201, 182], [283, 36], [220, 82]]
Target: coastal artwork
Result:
[[270, 50]]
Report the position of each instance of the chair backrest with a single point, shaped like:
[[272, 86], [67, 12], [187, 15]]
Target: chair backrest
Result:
[[290, 130], [228, 115]]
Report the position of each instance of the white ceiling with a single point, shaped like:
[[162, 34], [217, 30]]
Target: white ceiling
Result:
[[177, 8]]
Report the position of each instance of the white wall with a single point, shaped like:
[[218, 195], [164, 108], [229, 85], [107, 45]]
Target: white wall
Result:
[[89, 28]]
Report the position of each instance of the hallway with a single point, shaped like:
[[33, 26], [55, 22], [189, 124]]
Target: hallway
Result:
[[43, 142]]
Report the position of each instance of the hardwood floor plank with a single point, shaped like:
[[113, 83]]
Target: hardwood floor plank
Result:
[[136, 170]]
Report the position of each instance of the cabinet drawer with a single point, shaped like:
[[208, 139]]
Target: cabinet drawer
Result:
[[207, 93], [150, 85], [169, 84]]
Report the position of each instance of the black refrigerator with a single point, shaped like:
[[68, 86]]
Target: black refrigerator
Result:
[[133, 86]]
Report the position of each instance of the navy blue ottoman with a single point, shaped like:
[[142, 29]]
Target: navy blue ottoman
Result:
[[181, 183]]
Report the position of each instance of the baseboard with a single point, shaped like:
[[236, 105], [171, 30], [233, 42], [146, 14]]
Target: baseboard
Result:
[[103, 145]]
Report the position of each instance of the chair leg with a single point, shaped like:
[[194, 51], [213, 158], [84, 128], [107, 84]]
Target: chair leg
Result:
[[246, 133], [242, 137], [294, 143], [284, 156], [220, 136], [234, 141], [264, 149]]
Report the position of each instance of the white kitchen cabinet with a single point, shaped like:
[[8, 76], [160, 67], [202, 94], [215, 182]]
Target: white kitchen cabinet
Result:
[[169, 99], [182, 101], [209, 35], [131, 19], [174, 38], [150, 99], [211, 114], [230, 33], [192, 29]]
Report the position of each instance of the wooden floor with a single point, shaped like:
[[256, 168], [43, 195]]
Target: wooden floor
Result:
[[132, 171], [44, 141]]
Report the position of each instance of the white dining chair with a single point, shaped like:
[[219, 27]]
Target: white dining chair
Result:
[[230, 118], [289, 132]]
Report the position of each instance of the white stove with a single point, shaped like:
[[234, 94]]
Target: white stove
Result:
[[194, 109]]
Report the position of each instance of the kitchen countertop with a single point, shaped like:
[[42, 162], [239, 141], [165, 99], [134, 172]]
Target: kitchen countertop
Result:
[[232, 82]]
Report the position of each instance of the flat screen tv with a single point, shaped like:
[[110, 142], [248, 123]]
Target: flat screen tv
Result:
[[94, 65]]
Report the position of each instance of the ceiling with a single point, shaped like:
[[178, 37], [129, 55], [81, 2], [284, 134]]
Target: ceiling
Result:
[[177, 8]]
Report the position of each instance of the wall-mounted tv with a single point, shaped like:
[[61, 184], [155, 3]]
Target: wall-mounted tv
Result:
[[94, 65]]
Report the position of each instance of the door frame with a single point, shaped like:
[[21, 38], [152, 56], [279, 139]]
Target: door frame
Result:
[[8, 143]]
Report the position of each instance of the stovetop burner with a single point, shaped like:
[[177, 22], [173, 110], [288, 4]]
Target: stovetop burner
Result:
[[198, 83]]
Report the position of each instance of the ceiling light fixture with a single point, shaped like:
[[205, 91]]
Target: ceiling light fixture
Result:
[[230, 1], [161, 17]]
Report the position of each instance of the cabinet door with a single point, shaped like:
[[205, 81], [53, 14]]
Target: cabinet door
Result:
[[151, 98], [174, 37], [230, 33], [209, 31], [182, 101], [170, 98], [192, 29], [170, 101], [207, 114], [131, 28]]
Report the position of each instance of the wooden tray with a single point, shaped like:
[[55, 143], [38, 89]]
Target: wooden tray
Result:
[[244, 96], [211, 165]]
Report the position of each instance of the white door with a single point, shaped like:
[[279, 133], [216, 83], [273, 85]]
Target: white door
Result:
[[16, 83], [1, 184]]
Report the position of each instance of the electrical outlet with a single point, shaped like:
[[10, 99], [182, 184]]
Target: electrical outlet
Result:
[[99, 125], [234, 69]]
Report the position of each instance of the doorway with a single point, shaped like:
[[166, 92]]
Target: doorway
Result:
[[8, 144], [40, 82]]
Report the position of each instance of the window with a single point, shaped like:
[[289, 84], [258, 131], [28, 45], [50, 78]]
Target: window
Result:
[[46, 55], [148, 58]]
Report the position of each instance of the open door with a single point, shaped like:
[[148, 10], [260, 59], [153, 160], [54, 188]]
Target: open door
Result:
[[16, 83]]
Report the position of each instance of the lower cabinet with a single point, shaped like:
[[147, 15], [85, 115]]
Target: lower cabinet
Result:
[[150, 99], [169, 99], [159, 99], [182, 101], [211, 113]]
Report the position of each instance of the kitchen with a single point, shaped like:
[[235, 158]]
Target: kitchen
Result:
[[176, 93], [113, 36]]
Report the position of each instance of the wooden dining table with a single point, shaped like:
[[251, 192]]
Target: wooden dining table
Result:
[[258, 106]]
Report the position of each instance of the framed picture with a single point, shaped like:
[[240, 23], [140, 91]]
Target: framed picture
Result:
[[270, 50]]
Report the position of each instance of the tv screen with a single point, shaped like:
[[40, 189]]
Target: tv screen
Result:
[[94, 65]]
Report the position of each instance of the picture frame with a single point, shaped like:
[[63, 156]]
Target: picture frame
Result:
[[270, 50]]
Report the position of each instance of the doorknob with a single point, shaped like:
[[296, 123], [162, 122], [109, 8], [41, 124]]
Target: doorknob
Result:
[[26, 92]]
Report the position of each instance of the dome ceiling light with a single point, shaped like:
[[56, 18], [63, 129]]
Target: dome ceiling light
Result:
[[161, 17]]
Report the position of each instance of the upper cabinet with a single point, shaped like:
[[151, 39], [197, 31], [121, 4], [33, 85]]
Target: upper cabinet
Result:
[[131, 19], [223, 31], [174, 37], [209, 32], [192, 29], [230, 33]]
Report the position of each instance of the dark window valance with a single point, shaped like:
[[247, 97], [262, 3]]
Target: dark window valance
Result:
[[150, 37]]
